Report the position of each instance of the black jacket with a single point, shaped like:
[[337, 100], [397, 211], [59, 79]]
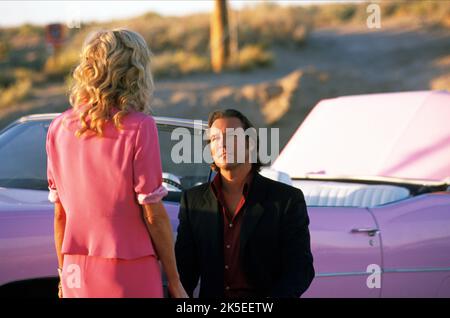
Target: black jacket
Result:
[[275, 240]]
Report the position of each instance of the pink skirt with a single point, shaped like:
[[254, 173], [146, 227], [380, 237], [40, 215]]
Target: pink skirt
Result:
[[91, 276]]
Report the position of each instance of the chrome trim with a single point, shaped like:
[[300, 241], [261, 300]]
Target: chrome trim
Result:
[[342, 274], [188, 123], [312, 176], [387, 271], [420, 270], [38, 117]]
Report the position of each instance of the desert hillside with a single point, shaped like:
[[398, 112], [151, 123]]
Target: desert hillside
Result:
[[280, 77]]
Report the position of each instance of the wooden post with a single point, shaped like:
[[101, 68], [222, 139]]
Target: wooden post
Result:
[[219, 36]]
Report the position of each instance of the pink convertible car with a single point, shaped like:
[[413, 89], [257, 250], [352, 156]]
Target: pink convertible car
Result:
[[374, 170]]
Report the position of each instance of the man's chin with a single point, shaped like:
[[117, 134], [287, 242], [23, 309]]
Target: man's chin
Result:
[[227, 165]]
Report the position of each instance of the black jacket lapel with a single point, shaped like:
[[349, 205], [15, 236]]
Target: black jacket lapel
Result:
[[214, 220], [254, 208]]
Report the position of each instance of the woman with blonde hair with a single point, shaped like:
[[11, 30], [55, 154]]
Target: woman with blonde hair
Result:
[[105, 177]]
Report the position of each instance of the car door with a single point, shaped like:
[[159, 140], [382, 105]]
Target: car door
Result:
[[347, 252], [26, 216], [416, 246]]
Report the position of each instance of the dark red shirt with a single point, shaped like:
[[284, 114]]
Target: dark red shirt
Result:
[[235, 281]]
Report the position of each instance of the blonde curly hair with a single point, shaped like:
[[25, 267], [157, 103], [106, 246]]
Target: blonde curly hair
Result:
[[114, 71]]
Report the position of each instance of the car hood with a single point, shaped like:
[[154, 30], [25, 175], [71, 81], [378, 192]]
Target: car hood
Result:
[[400, 135]]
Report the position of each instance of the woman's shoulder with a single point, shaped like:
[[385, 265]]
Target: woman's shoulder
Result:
[[59, 119], [139, 117], [138, 120], [132, 121]]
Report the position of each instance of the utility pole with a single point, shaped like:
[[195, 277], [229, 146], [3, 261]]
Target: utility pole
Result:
[[219, 36]]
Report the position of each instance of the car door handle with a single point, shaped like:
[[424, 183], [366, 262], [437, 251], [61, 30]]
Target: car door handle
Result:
[[370, 232]]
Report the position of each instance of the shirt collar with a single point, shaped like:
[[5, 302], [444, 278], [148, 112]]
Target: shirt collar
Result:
[[216, 184]]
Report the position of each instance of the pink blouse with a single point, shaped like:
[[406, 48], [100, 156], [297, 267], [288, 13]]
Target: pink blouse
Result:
[[102, 182]]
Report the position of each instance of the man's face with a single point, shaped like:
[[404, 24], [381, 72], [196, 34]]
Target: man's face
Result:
[[224, 145]]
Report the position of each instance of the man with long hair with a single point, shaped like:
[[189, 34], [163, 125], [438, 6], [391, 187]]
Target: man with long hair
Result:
[[242, 235]]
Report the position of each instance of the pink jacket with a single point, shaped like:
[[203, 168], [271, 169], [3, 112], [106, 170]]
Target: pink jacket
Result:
[[101, 183]]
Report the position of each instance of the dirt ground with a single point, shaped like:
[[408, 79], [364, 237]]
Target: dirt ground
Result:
[[334, 62]]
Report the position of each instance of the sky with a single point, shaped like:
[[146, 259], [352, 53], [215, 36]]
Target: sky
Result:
[[15, 13]]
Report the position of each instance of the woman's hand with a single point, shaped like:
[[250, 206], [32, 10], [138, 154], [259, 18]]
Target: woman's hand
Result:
[[60, 293], [176, 290], [160, 229], [59, 229]]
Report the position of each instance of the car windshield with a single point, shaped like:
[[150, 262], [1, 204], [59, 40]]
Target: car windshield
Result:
[[24, 162]]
